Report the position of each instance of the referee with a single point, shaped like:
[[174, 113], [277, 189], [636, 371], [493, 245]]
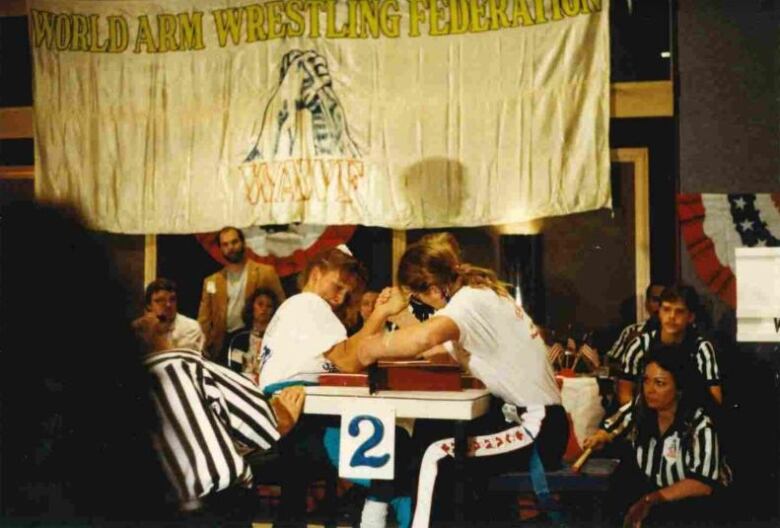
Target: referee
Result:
[[676, 316], [210, 419], [675, 464], [652, 304]]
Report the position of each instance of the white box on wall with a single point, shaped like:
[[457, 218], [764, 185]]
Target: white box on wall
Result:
[[758, 294]]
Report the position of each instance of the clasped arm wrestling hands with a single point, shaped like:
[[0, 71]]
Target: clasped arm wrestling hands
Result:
[[413, 340], [391, 303]]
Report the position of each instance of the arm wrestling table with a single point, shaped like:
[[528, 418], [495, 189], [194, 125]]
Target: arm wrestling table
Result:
[[458, 406]]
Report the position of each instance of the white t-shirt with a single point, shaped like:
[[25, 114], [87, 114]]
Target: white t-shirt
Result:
[[300, 332], [186, 333], [507, 353]]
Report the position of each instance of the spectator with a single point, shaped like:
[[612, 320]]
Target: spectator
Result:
[[245, 346], [161, 300], [367, 302], [224, 293]]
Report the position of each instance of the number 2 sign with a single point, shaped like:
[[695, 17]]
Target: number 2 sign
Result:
[[367, 443]]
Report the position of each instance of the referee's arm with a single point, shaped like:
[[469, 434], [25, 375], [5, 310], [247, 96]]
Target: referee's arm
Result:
[[618, 348], [707, 363], [198, 450], [252, 420], [702, 459], [621, 420]]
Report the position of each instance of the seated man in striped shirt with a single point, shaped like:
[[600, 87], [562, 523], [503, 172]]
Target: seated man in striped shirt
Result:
[[676, 316], [211, 418], [652, 304]]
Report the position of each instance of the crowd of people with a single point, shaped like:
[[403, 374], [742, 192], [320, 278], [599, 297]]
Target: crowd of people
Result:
[[222, 397]]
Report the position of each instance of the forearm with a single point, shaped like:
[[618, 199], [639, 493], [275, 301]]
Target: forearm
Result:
[[613, 427], [284, 421], [344, 358], [439, 355], [717, 393], [373, 327], [275, 285], [374, 324], [409, 342], [677, 491], [204, 305], [684, 489], [344, 355], [625, 391], [597, 440], [401, 344], [404, 319]]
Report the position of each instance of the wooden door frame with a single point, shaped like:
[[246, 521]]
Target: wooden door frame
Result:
[[640, 159]]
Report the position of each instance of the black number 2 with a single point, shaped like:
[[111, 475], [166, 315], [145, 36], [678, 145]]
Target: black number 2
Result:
[[359, 458]]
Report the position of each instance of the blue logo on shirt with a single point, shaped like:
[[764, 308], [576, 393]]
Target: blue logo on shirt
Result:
[[264, 355]]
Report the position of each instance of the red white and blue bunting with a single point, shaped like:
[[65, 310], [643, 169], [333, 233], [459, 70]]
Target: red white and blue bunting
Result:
[[714, 225], [287, 249]]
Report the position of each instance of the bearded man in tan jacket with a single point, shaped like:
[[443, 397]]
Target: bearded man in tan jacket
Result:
[[225, 292]]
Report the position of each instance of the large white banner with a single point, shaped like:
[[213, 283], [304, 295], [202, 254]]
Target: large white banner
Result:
[[183, 116]]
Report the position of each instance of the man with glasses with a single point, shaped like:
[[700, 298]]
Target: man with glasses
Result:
[[161, 301]]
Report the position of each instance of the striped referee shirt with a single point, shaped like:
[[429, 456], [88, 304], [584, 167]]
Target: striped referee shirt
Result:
[[630, 332], [701, 350], [208, 415], [673, 456]]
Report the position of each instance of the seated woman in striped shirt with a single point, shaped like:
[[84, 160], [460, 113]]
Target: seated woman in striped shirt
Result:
[[676, 458]]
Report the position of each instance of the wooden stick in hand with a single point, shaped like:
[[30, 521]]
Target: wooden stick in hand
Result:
[[581, 460], [588, 451]]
